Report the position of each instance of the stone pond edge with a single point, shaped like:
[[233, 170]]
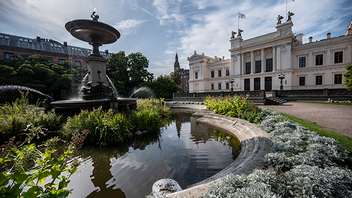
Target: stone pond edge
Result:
[[255, 144]]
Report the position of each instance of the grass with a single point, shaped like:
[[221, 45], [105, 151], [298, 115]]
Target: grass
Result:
[[345, 141], [322, 102]]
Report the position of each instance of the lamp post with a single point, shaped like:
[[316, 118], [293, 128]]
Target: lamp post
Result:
[[232, 81], [281, 77]]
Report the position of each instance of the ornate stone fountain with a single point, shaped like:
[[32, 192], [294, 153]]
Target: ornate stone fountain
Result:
[[97, 91]]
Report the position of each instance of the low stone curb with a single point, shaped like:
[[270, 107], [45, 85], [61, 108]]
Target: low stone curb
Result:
[[255, 144]]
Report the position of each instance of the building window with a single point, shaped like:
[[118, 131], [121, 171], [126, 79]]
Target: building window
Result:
[[212, 74], [196, 75], [219, 86], [61, 61], [227, 72], [248, 68], [247, 84], [302, 61], [319, 59], [269, 65], [338, 57], [302, 81], [219, 73], [318, 80], [49, 60], [257, 84], [227, 85], [8, 56], [212, 86], [258, 66], [78, 63], [338, 79]]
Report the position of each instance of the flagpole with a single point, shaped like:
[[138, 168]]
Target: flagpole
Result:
[[238, 16], [286, 10]]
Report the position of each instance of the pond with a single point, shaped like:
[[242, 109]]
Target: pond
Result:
[[184, 150]]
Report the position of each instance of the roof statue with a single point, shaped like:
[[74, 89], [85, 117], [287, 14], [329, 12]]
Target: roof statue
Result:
[[95, 16], [289, 15], [233, 34], [279, 18], [239, 32]]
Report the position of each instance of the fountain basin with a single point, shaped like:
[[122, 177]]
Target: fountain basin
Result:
[[92, 31], [75, 106]]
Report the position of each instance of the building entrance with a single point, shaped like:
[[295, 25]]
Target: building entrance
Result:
[[268, 83]]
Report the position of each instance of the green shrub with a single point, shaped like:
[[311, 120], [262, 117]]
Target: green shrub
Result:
[[15, 117], [108, 127], [104, 126], [238, 107]]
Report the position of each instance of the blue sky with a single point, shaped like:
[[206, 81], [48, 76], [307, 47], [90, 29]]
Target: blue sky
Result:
[[157, 28]]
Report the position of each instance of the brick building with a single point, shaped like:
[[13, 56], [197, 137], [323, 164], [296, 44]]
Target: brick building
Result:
[[57, 52]]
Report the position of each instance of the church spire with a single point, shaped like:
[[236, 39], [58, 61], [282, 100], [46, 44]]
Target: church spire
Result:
[[176, 64]]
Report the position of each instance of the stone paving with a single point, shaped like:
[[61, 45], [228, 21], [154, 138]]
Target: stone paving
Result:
[[334, 117]]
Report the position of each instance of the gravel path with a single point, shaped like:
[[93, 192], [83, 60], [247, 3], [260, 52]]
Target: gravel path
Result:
[[334, 117]]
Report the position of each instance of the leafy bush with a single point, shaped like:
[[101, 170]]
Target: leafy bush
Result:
[[149, 114], [15, 117], [19, 181], [108, 127], [104, 126], [238, 107]]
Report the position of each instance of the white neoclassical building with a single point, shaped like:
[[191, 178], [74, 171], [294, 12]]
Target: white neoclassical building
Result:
[[257, 63]]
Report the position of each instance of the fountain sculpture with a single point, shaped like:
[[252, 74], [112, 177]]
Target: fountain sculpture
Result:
[[97, 91]]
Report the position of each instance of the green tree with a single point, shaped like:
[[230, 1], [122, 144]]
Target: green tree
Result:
[[348, 77], [138, 64], [128, 72], [176, 77], [7, 75], [163, 86], [117, 71]]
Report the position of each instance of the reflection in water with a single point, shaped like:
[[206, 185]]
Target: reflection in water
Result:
[[184, 151]]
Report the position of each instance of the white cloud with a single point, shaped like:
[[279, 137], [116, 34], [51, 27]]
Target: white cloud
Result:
[[129, 26]]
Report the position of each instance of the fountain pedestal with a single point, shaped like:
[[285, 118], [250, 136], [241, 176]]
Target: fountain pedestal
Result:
[[97, 86]]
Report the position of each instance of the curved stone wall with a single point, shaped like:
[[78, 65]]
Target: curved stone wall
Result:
[[255, 143]]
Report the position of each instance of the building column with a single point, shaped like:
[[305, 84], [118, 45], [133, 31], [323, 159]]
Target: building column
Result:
[[243, 65], [252, 63], [274, 58], [328, 57], [262, 83], [262, 59], [251, 81], [348, 54], [310, 61], [278, 62], [288, 52]]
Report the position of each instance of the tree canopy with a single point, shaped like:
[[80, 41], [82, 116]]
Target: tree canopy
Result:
[[36, 72], [348, 77], [163, 86], [128, 72]]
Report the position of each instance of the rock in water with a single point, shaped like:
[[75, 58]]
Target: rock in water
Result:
[[165, 186]]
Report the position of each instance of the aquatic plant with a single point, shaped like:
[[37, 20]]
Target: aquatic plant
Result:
[[17, 116], [104, 126]]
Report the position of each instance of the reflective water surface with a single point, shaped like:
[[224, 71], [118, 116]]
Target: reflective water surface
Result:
[[184, 151]]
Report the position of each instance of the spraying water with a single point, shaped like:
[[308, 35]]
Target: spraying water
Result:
[[143, 92], [116, 95]]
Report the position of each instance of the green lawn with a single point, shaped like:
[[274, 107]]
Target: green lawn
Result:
[[346, 142], [323, 102]]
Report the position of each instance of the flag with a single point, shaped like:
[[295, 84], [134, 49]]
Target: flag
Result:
[[240, 15]]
